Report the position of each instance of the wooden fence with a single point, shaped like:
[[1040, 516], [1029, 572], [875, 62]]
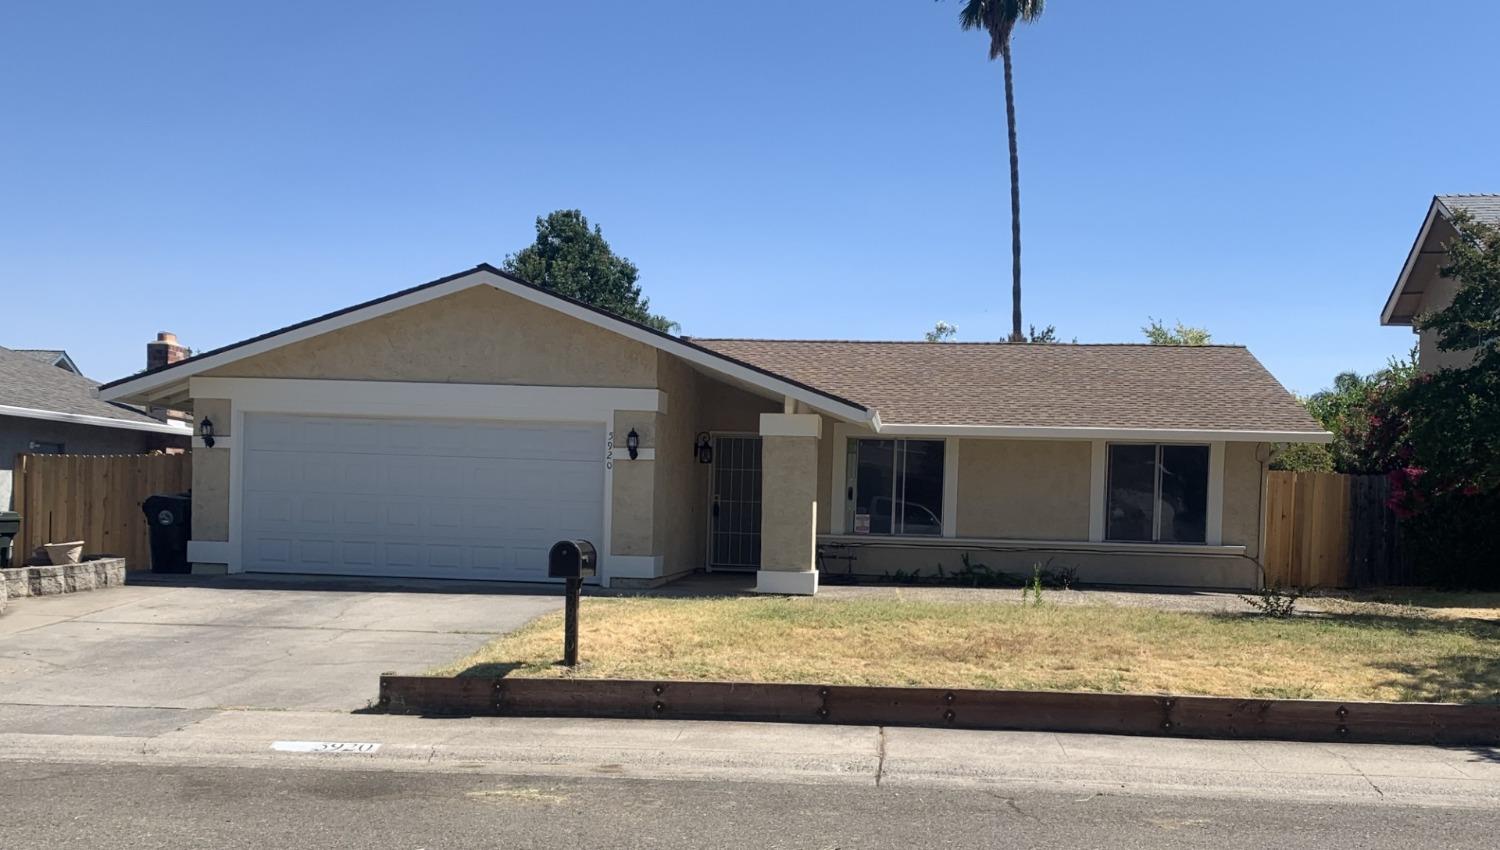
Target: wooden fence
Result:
[[94, 498], [1324, 529]]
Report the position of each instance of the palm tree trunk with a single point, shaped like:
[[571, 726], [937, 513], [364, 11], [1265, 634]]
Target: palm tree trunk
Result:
[[1015, 201]]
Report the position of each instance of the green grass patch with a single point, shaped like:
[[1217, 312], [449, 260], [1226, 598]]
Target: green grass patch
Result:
[[1325, 655]]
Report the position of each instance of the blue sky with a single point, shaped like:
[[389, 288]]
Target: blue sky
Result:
[[780, 169]]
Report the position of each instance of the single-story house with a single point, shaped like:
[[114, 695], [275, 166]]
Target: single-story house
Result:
[[48, 407], [1421, 287], [458, 428]]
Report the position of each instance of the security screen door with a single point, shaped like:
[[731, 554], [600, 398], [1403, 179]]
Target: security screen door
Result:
[[734, 513]]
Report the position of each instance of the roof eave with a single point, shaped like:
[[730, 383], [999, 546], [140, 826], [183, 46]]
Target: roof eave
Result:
[[1043, 432], [1388, 316], [95, 421]]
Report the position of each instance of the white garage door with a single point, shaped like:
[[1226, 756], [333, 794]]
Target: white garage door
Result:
[[417, 497]]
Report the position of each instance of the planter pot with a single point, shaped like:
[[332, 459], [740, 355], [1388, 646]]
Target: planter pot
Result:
[[64, 553]]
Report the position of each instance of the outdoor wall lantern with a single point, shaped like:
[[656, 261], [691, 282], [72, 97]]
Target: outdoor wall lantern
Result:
[[633, 443], [704, 449], [206, 428]]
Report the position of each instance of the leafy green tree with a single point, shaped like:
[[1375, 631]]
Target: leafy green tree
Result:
[[1356, 410], [1303, 457], [998, 18], [1157, 333], [941, 332], [1454, 414], [1047, 335], [573, 259]]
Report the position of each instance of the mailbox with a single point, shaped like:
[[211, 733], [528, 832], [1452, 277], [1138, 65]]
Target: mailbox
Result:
[[572, 559]]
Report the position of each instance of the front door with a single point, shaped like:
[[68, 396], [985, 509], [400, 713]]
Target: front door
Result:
[[734, 513]]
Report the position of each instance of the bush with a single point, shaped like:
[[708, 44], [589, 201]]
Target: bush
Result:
[[1452, 541], [1274, 601]]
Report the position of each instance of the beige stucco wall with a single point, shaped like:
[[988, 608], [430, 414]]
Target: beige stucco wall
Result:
[[727, 408], [633, 501], [681, 492], [1029, 489], [1437, 295], [1243, 491], [477, 336], [789, 502], [210, 494], [1040, 490], [211, 472]]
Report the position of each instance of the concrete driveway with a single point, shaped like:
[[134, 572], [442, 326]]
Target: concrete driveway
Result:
[[242, 643]]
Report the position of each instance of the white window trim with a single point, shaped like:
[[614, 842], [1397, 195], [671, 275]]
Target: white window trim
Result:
[[838, 484], [594, 405], [1213, 532]]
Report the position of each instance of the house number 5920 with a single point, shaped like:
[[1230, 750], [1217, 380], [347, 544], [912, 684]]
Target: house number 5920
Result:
[[609, 451]]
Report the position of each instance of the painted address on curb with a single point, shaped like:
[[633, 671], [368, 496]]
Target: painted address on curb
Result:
[[324, 747]]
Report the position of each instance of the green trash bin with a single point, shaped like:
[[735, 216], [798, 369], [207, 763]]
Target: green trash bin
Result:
[[10, 526]]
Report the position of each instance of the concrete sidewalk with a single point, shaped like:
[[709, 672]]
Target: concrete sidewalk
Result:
[[688, 750]]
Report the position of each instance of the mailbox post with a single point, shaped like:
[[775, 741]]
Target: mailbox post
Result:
[[572, 561]]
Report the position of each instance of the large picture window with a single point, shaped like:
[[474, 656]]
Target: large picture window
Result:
[[1157, 493], [894, 487]]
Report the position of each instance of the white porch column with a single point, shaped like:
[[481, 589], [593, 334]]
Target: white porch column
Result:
[[789, 503]]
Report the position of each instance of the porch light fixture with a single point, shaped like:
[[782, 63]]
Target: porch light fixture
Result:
[[633, 443], [704, 450], [206, 428]]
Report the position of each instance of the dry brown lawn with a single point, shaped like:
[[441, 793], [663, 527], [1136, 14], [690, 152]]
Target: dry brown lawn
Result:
[[1389, 652]]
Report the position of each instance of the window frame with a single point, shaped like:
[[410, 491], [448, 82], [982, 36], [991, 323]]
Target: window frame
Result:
[[899, 471], [1210, 532]]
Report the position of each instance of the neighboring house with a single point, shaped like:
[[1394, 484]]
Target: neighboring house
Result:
[[1421, 288], [46, 406], [459, 428], [52, 357]]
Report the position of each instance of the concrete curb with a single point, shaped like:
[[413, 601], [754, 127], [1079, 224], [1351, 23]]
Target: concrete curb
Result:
[[953, 708]]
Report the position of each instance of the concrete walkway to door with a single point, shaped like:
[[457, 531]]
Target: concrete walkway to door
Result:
[[244, 642]]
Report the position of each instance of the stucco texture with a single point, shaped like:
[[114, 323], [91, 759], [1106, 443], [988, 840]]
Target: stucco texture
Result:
[[1438, 295], [789, 502], [1026, 489], [479, 335], [681, 492]]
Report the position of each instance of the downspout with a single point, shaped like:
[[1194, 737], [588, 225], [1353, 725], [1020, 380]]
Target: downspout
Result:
[[1264, 453]]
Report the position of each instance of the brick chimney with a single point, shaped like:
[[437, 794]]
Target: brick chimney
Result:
[[164, 351]]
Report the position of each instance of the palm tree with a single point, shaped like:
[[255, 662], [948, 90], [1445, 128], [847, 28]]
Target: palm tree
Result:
[[999, 19]]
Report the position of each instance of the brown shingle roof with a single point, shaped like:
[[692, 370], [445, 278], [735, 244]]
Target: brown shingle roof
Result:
[[1216, 387]]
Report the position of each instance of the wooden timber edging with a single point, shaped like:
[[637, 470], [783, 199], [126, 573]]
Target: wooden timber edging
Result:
[[1043, 711]]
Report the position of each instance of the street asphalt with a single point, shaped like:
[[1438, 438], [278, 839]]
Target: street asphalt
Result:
[[121, 806]]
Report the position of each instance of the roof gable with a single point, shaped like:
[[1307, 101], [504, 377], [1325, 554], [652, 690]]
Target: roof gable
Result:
[[1426, 255], [171, 381], [52, 357]]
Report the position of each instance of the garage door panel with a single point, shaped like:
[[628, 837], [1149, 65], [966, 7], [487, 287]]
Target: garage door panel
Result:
[[417, 497], [359, 553]]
